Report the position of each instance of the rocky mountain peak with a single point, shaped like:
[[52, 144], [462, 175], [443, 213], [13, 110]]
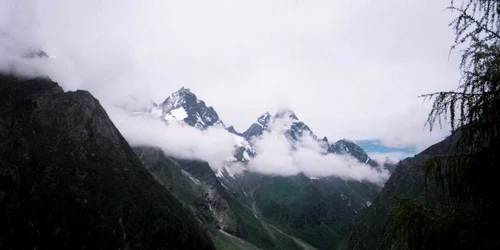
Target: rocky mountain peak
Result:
[[346, 146], [183, 105], [178, 99]]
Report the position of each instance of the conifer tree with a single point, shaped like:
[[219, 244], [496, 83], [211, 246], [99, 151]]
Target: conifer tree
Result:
[[468, 217]]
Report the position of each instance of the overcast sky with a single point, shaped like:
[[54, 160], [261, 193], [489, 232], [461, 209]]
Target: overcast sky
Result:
[[349, 69]]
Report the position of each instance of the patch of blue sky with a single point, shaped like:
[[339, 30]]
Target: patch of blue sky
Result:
[[378, 147]]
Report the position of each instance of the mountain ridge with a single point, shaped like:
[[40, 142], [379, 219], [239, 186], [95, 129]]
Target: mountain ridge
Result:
[[184, 106]]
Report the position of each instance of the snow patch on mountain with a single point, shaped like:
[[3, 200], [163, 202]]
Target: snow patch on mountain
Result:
[[178, 114]]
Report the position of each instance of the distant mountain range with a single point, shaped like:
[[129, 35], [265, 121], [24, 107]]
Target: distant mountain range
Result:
[[70, 180], [269, 212], [184, 106]]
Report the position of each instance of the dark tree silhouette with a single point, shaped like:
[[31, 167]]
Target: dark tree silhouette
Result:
[[467, 217], [477, 99]]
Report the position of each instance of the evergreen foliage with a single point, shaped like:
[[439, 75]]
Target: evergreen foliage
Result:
[[467, 217]]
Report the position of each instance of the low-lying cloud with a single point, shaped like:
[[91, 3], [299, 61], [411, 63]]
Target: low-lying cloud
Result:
[[277, 155], [213, 145]]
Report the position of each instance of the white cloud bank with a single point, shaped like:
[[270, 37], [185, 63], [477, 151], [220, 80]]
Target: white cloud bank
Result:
[[276, 155], [214, 145]]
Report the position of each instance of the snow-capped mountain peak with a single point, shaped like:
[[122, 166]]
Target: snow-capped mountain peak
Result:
[[285, 117], [346, 146], [178, 98], [183, 105]]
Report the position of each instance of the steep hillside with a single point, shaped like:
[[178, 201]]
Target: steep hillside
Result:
[[418, 209], [196, 185], [69, 180]]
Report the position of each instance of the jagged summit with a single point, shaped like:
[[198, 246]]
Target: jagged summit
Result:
[[296, 126], [346, 146], [183, 105], [183, 90], [294, 129], [178, 98]]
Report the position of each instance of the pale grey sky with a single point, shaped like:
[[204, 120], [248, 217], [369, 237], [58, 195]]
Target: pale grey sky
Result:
[[349, 69]]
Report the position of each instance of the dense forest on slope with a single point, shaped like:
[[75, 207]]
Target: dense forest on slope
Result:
[[68, 179]]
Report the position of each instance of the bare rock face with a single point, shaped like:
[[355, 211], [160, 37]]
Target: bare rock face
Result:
[[68, 179]]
